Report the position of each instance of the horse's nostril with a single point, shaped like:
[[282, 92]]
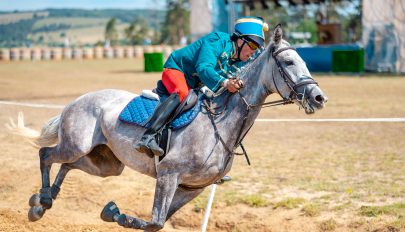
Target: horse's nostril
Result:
[[319, 98]]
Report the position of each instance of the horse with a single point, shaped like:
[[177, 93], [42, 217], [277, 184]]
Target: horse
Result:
[[88, 135]]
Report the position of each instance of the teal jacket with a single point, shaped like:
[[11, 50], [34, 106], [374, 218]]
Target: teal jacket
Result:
[[207, 60]]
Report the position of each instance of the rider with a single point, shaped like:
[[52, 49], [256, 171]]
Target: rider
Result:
[[210, 61]]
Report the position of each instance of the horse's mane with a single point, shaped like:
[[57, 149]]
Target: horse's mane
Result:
[[252, 65]]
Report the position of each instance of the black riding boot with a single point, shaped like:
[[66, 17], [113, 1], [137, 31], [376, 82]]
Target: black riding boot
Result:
[[156, 122]]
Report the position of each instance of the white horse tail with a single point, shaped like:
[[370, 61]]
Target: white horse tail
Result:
[[47, 137]]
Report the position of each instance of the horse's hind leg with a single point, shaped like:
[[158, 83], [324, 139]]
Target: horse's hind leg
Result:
[[37, 210], [101, 161], [45, 166], [48, 156], [64, 169]]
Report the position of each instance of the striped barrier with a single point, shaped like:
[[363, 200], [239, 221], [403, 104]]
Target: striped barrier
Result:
[[56, 53], [4, 55]]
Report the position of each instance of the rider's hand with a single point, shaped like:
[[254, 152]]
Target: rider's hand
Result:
[[232, 85]]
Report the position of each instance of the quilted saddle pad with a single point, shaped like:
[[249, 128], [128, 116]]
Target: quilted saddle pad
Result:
[[139, 109]]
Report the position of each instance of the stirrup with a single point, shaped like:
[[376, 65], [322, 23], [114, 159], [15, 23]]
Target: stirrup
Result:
[[157, 152], [144, 146], [141, 147]]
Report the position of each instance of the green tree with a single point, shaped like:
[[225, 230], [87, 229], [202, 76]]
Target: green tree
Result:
[[177, 23], [111, 32], [137, 31]]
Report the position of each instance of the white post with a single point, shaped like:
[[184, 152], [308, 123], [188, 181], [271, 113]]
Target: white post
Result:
[[208, 208]]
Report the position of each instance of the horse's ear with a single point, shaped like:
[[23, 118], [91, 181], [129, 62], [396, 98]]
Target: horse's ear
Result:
[[277, 34]]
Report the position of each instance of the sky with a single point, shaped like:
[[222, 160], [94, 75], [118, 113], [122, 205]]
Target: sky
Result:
[[24, 5]]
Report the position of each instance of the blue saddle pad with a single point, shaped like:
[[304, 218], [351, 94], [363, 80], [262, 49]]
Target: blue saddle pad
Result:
[[139, 109]]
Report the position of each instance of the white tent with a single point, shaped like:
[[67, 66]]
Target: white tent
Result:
[[384, 35]]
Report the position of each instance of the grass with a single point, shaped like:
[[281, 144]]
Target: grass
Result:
[[397, 209], [398, 224], [15, 17], [73, 21], [311, 210], [230, 198], [357, 223], [254, 200], [200, 202], [328, 225], [289, 203], [342, 206]]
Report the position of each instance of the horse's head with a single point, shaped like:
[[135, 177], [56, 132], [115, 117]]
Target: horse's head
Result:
[[290, 76]]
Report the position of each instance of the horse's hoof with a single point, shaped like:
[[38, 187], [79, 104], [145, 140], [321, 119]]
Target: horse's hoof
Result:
[[109, 212], [35, 213], [34, 200]]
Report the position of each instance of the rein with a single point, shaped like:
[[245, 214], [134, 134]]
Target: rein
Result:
[[300, 97]]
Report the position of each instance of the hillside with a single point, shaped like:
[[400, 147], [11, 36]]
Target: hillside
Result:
[[52, 27]]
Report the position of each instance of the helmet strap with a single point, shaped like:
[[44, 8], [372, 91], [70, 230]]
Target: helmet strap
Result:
[[239, 49]]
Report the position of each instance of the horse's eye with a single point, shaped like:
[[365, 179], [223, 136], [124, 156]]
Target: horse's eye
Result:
[[289, 62]]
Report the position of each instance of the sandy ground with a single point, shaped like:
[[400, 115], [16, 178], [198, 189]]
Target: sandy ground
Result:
[[339, 166]]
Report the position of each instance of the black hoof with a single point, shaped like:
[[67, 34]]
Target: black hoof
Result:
[[109, 212], [34, 200], [35, 213]]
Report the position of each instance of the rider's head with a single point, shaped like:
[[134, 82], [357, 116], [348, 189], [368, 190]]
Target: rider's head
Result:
[[249, 36]]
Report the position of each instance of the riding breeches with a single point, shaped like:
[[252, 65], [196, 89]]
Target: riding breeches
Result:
[[175, 82]]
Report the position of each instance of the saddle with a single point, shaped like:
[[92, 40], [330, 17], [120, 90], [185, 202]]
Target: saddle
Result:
[[139, 110]]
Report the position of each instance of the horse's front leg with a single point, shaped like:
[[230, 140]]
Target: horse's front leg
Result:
[[182, 197], [166, 186]]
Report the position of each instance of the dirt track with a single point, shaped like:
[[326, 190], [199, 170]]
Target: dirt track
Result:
[[337, 167]]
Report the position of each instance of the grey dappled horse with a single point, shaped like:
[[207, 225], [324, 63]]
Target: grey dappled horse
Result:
[[90, 137]]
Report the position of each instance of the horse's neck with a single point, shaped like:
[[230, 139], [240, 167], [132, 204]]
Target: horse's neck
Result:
[[254, 93]]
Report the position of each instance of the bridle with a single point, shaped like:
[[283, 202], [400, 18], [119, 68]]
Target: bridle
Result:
[[294, 95], [292, 85]]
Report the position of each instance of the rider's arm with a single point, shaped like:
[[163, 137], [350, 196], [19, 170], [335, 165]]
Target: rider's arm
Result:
[[207, 59]]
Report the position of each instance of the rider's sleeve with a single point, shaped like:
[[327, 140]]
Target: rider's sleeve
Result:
[[207, 59]]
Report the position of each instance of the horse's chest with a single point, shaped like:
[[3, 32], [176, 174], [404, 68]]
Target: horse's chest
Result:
[[199, 172]]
